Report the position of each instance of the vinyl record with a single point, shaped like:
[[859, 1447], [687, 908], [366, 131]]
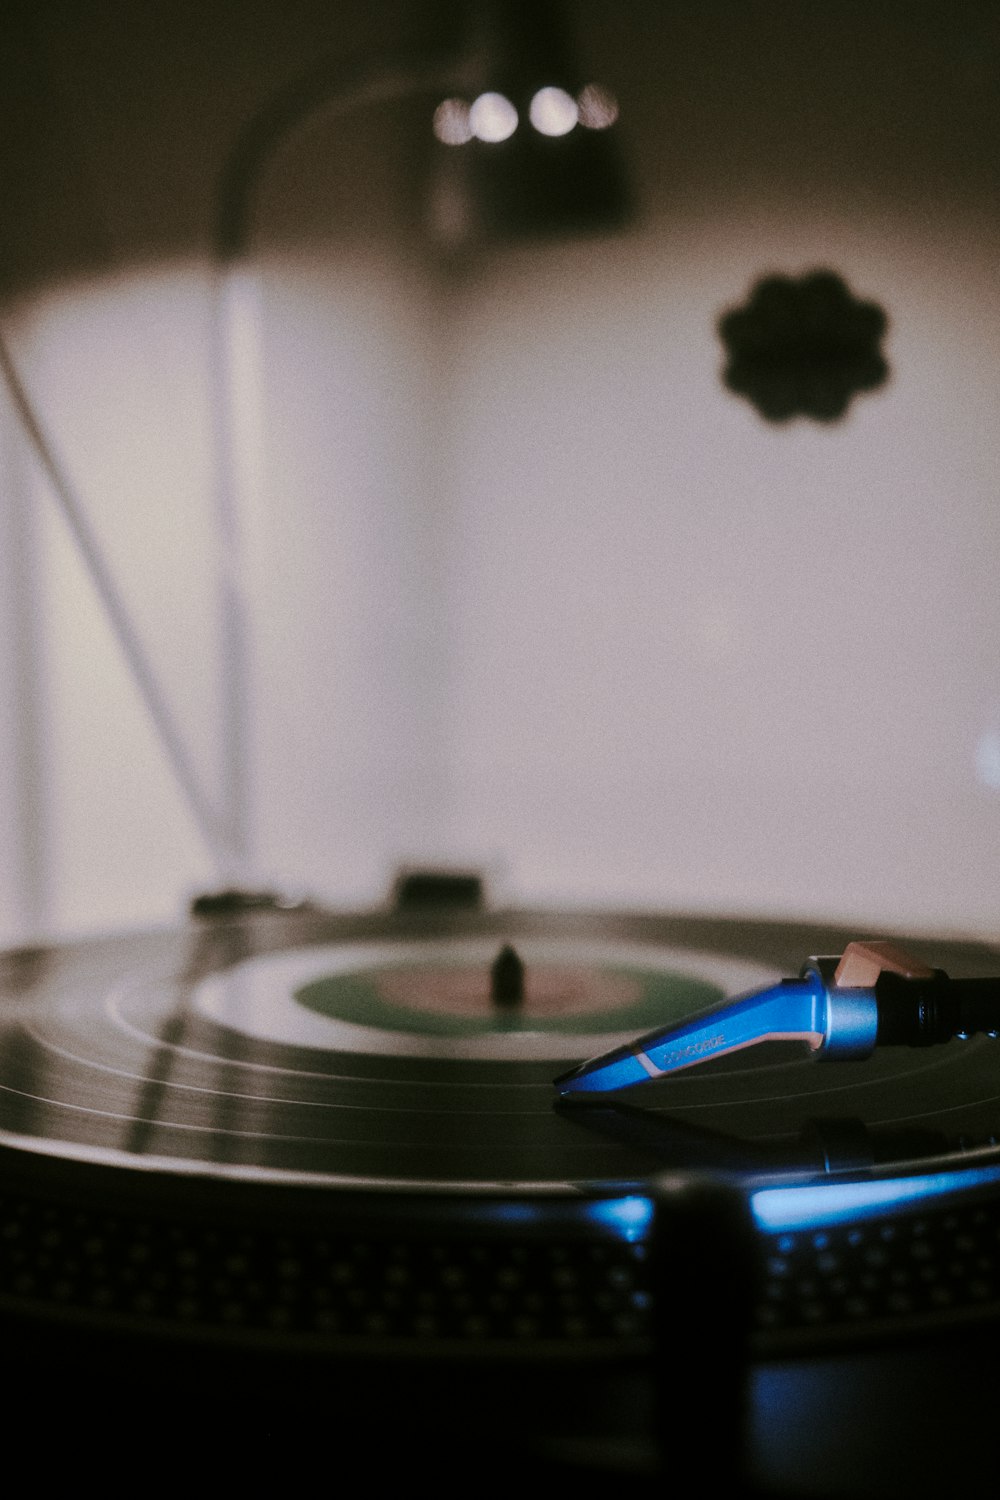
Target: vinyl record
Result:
[[376, 1053]]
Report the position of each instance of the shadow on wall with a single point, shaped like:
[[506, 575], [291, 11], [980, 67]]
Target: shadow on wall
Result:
[[803, 347]]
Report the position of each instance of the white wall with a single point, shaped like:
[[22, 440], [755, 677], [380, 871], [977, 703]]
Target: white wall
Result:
[[24, 814], [528, 586], [729, 664]]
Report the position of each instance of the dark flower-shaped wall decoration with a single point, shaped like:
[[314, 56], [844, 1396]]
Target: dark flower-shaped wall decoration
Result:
[[803, 347]]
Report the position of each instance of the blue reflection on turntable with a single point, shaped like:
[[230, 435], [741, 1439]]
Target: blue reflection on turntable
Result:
[[808, 1205]]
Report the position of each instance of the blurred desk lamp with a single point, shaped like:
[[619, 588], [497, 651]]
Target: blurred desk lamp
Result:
[[519, 144], [522, 146]]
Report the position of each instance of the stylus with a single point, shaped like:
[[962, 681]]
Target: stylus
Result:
[[872, 995]]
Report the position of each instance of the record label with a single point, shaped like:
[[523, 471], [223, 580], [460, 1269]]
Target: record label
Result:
[[433, 999]]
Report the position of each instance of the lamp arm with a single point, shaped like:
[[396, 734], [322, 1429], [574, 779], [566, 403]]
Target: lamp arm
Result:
[[236, 384], [335, 85]]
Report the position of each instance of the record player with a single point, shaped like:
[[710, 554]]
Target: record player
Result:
[[287, 1158], [293, 1180]]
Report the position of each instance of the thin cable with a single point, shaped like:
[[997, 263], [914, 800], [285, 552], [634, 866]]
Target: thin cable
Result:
[[117, 614]]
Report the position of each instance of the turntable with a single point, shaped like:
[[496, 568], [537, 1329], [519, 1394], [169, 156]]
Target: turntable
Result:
[[287, 1140]]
